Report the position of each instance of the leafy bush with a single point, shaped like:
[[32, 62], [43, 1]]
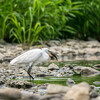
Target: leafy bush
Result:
[[87, 24], [29, 21], [18, 30]]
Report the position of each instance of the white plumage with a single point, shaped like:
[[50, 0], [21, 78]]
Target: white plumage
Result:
[[32, 57]]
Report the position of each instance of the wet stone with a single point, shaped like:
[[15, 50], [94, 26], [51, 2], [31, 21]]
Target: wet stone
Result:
[[10, 94], [52, 88], [54, 73], [70, 82], [29, 96], [98, 98], [40, 74], [20, 84], [52, 97], [53, 43], [96, 66], [53, 67], [78, 92], [87, 71], [2, 82], [94, 94], [77, 69], [96, 82], [68, 66], [1, 56], [43, 69]]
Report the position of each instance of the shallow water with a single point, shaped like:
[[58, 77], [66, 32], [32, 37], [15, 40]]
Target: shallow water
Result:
[[76, 78], [62, 80], [76, 63]]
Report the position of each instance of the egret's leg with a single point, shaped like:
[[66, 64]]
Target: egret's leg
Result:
[[29, 70]]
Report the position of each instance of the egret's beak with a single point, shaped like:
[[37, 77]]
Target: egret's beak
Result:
[[53, 54]]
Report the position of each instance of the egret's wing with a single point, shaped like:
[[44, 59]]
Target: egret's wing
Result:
[[27, 57]]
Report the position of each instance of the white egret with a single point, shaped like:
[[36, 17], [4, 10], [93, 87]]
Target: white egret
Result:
[[33, 57]]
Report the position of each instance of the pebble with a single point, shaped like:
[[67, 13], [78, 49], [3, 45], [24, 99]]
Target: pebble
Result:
[[96, 82], [53, 67], [70, 82]]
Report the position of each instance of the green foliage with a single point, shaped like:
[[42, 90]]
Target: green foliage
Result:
[[6, 8], [20, 30], [87, 24], [29, 21]]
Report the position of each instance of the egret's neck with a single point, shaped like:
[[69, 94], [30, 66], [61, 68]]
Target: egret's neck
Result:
[[45, 51]]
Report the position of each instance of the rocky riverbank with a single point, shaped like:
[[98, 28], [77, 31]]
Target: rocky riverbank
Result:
[[9, 72], [81, 91], [13, 87], [65, 49]]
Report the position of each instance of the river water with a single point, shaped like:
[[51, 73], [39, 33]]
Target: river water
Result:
[[76, 78]]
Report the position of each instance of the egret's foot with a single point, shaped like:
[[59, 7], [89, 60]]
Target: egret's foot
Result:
[[31, 77]]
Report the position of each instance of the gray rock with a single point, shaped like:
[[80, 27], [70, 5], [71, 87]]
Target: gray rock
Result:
[[70, 72], [94, 94], [10, 71], [1, 57], [62, 70], [43, 69], [92, 87], [87, 71], [92, 39], [93, 91], [73, 49], [53, 43], [53, 67], [52, 97], [78, 69], [71, 42], [35, 69], [7, 58], [66, 71], [10, 94], [41, 91], [29, 96], [2, 81], [19, 84], [68, 66], [97, 53], [96, 66], [70, 82], [59, 98], [1, 46], [43, 87], [53, 73], [40, 74], [96, 82], [78, 92], [52, 88], [59, 75], [3, 42], [98, 98]]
